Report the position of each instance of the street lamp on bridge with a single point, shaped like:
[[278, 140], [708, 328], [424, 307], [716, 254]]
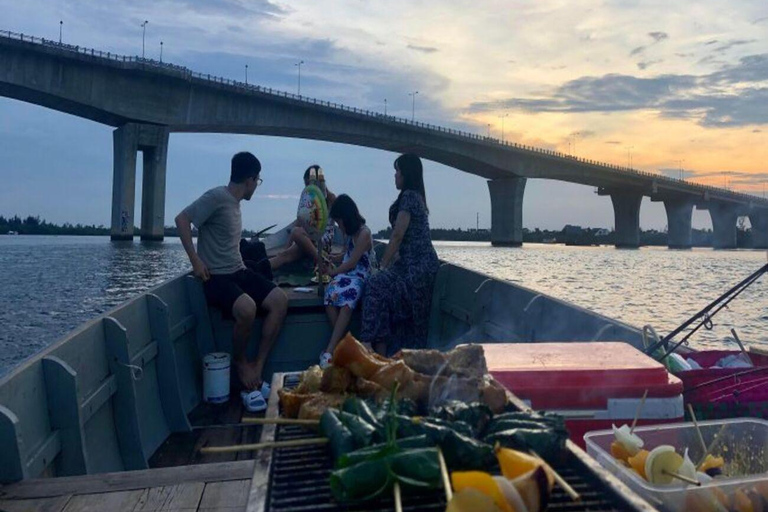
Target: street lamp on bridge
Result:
[[246, 74], [489, 130], [629, 156], [502, 126], [413, 104], [143, 35], [385, 106], [298, 65], [161, 51], [61, 24], [680, 165]]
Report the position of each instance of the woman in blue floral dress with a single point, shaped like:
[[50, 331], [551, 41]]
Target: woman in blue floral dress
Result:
[[348, 279], [397, 300]]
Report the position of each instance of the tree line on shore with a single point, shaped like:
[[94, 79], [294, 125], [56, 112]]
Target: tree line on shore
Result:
[[569, 235]]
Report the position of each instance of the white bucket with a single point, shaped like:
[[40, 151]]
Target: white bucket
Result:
[[216, 377]]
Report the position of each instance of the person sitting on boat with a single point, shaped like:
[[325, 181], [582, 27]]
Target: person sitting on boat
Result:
[[229, 285], [397, 300], [348, 279], [300, 244]]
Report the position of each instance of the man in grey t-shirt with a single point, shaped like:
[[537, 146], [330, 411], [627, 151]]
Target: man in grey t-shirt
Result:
[[229, 285]]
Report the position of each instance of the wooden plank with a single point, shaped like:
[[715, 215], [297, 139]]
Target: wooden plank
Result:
[[203, 332], [11, 446], [42, 456], [124, 403], [121, 501], [167, 373], [227, 414], [56, 504], [176, 498], [98, 398], [128, 480], [64, 412], [225, 496], [187, 324]]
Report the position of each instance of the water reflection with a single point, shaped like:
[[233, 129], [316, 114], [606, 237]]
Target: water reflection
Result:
[[53, 284]]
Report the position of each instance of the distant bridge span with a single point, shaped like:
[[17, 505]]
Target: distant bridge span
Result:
[[146, 100]]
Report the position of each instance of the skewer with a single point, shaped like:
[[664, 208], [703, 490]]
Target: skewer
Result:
[[446, 478], [575, 496], [260, 446], [698, 430], [712, 445], [280, 421], [638, 411], [398, 498], [682, 478]]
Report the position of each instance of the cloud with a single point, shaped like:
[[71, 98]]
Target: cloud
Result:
[[731, 96], [733, 43], [637, 51], [423, 49], [648, 63], [658, 36], [615, 142], [279, 197]]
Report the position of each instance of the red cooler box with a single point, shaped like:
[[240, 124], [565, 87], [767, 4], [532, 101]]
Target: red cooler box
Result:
[[592, 384]]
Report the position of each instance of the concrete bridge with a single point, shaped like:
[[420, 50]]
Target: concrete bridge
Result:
[[146, 100]]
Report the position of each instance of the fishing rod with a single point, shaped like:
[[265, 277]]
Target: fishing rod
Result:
[[705, 315]]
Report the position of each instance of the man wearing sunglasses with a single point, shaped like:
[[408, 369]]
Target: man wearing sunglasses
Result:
[[229, 285]]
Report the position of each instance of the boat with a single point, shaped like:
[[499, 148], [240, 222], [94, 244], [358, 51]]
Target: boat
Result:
[[13, 233], [111, 416]]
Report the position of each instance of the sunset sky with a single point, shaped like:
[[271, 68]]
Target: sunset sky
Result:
[[667, 84]]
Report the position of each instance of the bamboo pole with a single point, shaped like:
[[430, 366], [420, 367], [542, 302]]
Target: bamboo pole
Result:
[[638, 411], [682, 478], [712, 445], [398, 498], [575, 496], [260, 446], [446, 478], [280, 421], [698, 430]]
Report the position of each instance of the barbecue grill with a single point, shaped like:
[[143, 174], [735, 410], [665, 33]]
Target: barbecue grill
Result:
[[296, 479]]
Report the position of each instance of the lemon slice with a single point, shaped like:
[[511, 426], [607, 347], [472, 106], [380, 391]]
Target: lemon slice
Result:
[[631, 442], [662, 460]]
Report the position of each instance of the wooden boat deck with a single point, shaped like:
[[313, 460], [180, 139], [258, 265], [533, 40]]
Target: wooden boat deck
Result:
[[181, 479]]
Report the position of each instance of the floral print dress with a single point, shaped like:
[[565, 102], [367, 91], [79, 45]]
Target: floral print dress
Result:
[[347, 288], [398, 300]]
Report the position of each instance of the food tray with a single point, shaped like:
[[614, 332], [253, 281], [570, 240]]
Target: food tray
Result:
[[742, 442]]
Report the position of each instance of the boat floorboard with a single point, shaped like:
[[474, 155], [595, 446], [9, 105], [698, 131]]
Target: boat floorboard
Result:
[[180, 478]]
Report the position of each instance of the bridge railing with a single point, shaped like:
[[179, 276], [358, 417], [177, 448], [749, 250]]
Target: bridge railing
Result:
[[258, 89]]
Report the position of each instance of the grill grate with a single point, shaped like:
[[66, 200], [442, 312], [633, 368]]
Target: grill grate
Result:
[[299, 482]]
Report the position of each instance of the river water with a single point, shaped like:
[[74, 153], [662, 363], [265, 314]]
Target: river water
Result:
[[52, 284]]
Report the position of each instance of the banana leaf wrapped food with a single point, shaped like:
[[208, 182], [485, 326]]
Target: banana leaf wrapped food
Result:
[[417, 468]]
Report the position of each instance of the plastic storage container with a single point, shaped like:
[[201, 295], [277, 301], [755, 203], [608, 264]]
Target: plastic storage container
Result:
[[592, 384], [742, 442]]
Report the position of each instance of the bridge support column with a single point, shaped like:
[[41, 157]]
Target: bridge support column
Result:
[[679, 214], [152, 140], [507, 211], [155, 148], [626, 211], [724, 217], [759, 223]]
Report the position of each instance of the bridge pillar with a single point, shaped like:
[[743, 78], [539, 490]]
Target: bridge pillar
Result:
[[152, 140], [507, 211], [679, 214], [154, 145], [724, 217], [626, 211], [759, 223]]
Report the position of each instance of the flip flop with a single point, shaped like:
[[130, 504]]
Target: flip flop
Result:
[[256, 401]]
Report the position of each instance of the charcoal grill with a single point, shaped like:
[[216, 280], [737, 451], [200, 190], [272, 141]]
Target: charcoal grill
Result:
[[296, 479]]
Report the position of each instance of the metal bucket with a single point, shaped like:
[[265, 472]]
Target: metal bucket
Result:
[[216, 367]]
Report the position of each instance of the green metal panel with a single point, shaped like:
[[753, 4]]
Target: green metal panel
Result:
[[64, 411], [12, 447], [126, 412], [168, 379]]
